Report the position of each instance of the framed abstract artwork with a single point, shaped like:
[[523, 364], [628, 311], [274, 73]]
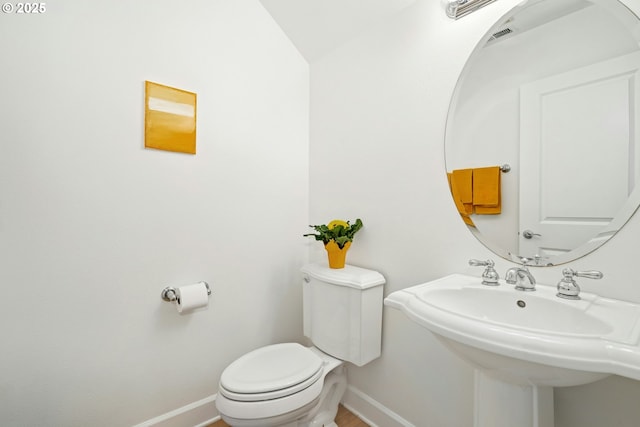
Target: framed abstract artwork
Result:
[[169, 118]]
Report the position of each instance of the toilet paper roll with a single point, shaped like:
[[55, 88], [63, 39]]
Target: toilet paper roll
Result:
[[190, 297]]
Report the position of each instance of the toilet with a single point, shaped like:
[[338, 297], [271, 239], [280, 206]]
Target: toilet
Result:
[[290, 385]]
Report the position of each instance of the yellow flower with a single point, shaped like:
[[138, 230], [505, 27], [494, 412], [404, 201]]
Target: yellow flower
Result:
[[337, 222]]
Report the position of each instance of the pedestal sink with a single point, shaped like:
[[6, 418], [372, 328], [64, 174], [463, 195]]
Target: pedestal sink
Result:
[[523, 344]]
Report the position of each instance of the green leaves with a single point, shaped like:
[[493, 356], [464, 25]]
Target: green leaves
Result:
[[339, 233]]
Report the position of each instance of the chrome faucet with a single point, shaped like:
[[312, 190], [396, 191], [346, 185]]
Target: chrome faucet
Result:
[[521, 277]]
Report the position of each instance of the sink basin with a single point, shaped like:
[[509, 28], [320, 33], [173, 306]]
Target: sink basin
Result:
[[529, 338], [526, 311]]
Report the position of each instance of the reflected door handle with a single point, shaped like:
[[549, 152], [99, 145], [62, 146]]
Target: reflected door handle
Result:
[[527, 234]]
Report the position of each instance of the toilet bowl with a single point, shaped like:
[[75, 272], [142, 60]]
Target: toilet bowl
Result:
[[289, 385], [280, 385]]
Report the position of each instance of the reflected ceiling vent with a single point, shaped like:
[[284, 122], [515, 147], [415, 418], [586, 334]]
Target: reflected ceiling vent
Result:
[[501, 33]]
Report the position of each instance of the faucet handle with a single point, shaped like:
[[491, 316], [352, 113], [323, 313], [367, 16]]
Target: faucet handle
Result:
[[478, 263], [590, 274], [490, 275], [568, 288]]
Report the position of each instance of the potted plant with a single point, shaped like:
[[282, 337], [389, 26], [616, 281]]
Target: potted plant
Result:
[[337, 237]]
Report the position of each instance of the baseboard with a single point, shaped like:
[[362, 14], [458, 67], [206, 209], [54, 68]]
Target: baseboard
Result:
[[371, 411], [204, 412], [196, 414]]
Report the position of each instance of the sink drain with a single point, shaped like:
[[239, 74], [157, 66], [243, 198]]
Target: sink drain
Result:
[[521, 303]]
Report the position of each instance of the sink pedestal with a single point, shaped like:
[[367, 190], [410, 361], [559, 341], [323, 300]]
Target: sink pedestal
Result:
[[502, 404]]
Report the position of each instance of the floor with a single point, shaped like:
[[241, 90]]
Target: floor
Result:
[[343, 419]]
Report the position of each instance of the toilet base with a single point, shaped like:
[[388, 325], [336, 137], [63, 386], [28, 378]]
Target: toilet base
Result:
[[324, 414]]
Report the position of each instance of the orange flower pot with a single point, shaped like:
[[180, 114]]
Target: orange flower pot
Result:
[[337, 256]]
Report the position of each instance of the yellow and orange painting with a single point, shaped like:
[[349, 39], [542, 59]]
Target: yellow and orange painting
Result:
[[169, 118]]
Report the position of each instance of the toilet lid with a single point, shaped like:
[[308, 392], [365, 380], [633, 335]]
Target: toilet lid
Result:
[[269, 372]]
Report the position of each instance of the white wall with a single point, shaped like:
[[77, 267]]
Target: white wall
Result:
[[93, 226], [378, 114]]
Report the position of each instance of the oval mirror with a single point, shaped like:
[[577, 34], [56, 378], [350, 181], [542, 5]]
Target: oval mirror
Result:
[[552, 92]]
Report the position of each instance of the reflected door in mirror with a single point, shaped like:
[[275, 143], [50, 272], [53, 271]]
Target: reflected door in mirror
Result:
[[578, 153]]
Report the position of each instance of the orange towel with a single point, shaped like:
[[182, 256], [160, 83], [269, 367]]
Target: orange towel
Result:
[[458, 201], [486, 191], [462, 179]]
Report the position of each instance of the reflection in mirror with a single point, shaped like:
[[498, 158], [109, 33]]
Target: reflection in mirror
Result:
[[553, 91]]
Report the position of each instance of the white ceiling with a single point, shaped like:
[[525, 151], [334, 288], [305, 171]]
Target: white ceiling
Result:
[[318, 26]]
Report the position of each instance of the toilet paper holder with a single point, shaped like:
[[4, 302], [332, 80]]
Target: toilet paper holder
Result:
[[169, 293]]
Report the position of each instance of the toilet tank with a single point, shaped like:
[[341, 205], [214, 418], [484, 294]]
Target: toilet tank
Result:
[[343, 311]]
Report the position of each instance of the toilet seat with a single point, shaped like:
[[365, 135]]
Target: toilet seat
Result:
[[271, 372]]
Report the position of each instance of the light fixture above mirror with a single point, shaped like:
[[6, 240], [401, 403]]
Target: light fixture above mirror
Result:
[[458, 8]]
